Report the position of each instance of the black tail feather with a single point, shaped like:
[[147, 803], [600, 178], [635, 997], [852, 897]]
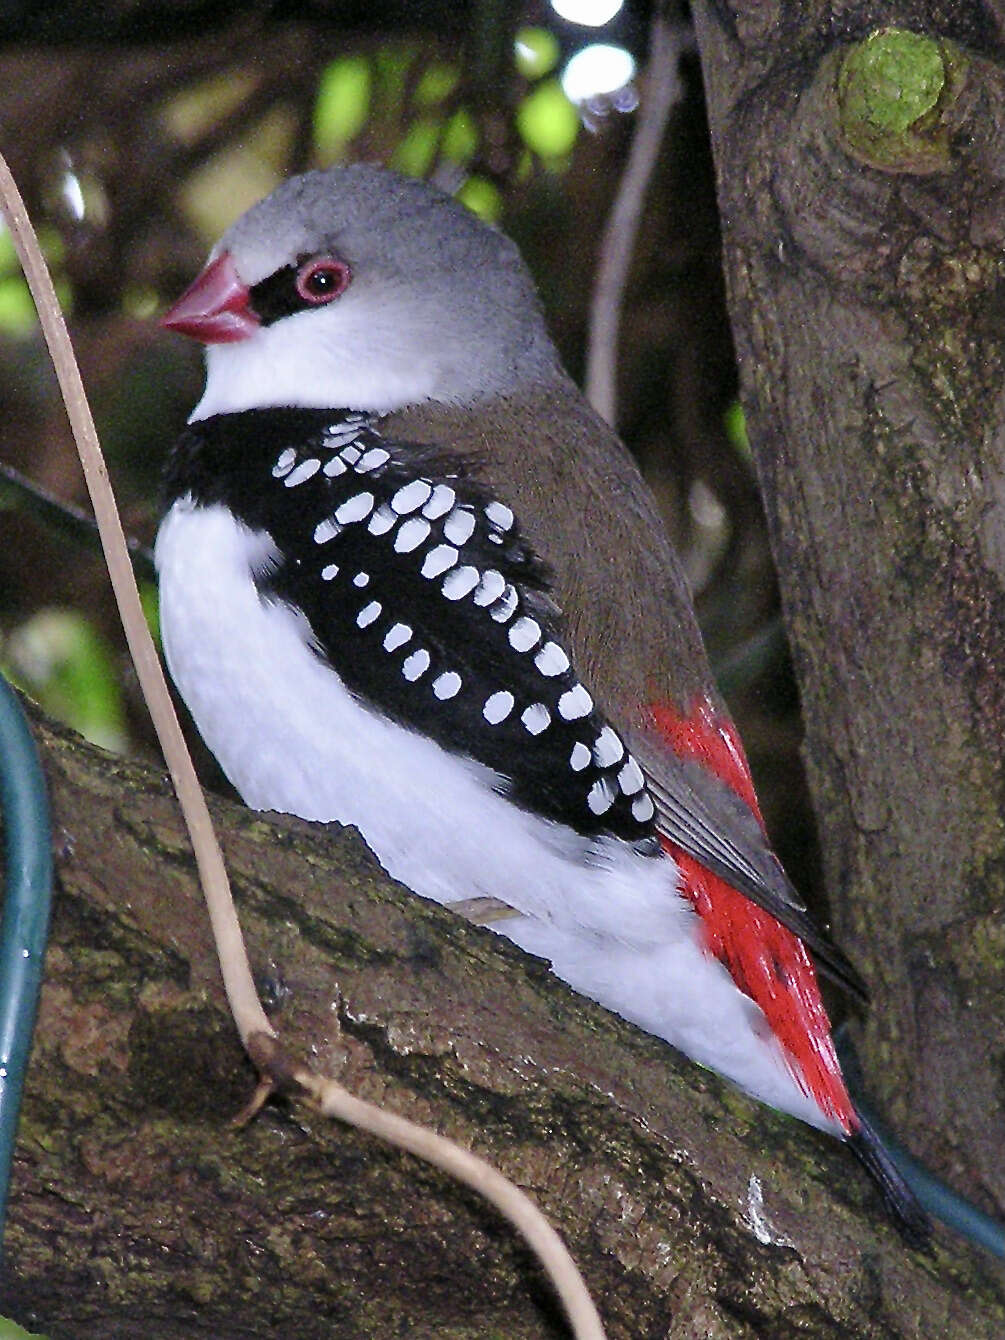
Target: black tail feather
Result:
[[912, 1221]]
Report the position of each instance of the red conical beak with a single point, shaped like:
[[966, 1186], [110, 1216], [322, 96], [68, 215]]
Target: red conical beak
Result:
[[216, 309]]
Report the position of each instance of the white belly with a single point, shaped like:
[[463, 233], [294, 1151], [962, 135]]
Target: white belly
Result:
[[292, 738]]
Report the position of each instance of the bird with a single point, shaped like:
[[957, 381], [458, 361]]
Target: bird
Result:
[[410, 581]]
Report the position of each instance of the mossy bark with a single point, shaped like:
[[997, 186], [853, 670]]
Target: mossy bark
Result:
[[138, 1210], [861, 187]]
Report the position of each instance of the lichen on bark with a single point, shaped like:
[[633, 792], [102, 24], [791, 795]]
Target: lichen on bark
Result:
[[893, 90]]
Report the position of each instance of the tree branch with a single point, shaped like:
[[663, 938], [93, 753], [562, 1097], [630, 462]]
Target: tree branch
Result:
[[861, 196], [136, 1209]]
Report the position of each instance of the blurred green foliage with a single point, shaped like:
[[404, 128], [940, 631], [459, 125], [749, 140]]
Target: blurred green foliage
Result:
[[59, 658], [17, 308], [343, 103], [548, 122]]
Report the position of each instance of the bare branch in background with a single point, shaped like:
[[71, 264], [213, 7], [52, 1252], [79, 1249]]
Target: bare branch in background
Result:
[[661, 91]]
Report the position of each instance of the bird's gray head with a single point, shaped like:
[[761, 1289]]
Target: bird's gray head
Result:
[[358, 288]]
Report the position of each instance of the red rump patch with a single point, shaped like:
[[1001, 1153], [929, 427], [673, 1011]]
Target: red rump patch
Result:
[[765, 959]]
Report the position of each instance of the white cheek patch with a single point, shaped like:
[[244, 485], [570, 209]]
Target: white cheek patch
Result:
[[340, 354]]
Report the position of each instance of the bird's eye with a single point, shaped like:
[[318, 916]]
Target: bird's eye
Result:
[[322, 280]]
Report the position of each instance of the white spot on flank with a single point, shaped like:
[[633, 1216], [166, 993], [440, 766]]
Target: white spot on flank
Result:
[[339, 434], [351, 454], [575, 703], [329, 572], [335, 467], [396, 636], [506, 605], [382, 520], [416, 665], [357, 508], [305, 470], [436, 562], [536, 718], [630, 778], [495, 537], [411, 535], [600, 796], [500, 515], [608, 749], [460, 582], [326, 530], [580, 757], [459, 526], [524, 634], [285, 463], [643, 809], [372, 460], [442, 499], [498, 707], [361, 579], [447, 685], [368, 613], [551, 660], [490, 588], [411, 496]]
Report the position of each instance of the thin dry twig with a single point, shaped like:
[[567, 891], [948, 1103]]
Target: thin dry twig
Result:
[[662, 89], [244, 1003], [333, 1100], [256, 1033]]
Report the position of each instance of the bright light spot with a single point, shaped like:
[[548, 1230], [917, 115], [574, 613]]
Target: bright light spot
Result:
[[590, 13], [73, 195], [597, 70], [705, 507]]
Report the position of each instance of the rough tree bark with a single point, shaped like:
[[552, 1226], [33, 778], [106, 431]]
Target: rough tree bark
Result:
[[862, 189], [137, 1210]]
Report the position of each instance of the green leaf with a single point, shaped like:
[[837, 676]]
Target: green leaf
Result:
[[438, 81], [482, 197], [414, 154], [150, 603], [10, 1330], [342, 105], [190, 113], [8, 256], [547, 121], [17, 310], [537, 52], [460, 138], [735, 422]]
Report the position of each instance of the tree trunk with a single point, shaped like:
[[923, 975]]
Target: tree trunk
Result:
[[138, 1210], [861, 189]]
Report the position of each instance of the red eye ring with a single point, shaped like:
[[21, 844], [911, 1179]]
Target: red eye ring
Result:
[[322, 280]]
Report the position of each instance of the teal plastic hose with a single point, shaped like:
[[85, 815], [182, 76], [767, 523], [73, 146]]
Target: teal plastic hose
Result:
[[937, 1197], [25, 927]]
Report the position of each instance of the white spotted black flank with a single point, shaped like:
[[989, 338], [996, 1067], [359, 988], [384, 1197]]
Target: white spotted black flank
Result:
[[422, 595]]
